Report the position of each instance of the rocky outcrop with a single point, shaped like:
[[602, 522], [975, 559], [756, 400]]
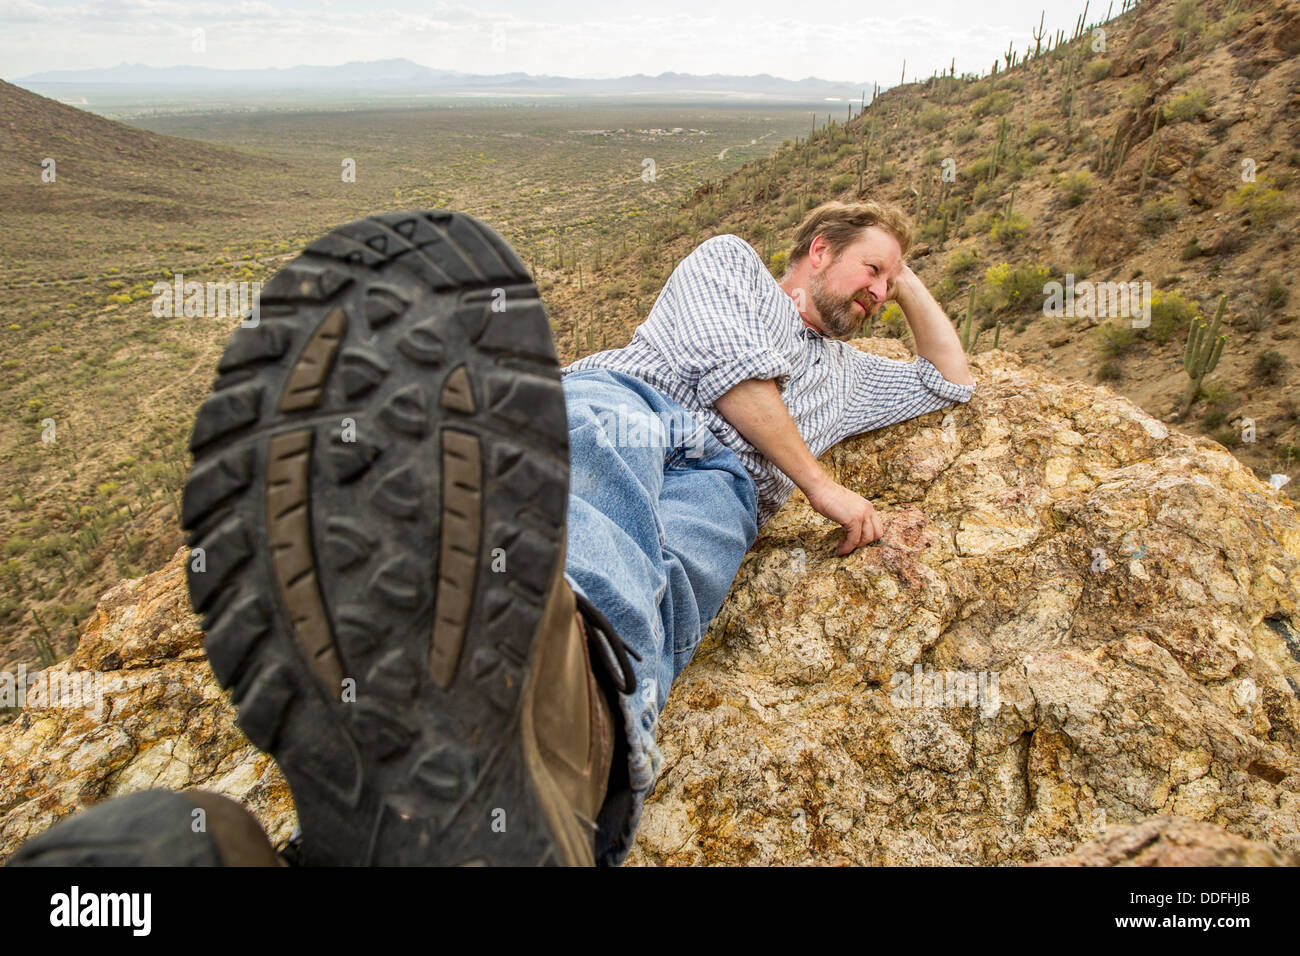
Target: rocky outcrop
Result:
[[1163, 841], [1112, 608], [135, 707], [1077, 620]]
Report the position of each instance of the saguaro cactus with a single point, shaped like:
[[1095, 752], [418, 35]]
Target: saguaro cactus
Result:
[[999, 149], [1201, 356], [1152, 152], [969, 334], [1082, 23]]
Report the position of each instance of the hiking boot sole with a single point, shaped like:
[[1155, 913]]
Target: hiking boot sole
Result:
[[377, 514]]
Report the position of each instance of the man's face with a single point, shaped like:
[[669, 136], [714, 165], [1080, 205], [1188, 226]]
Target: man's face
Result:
[[850, 287]]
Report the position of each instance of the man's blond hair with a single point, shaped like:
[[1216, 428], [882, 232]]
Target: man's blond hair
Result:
[[842, 223]]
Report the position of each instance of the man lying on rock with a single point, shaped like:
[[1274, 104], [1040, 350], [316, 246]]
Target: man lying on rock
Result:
[[450, 585]]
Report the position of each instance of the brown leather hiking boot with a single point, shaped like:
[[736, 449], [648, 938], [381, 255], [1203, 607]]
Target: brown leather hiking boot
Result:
[[240, 839], [377, 509], [568, 726]]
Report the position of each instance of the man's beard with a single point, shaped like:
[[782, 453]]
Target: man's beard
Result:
[[839, 315]]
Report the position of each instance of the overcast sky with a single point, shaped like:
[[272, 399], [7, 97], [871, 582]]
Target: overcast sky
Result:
[[852, 41]]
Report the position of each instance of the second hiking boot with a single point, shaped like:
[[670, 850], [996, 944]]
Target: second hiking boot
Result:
[[377, 514]]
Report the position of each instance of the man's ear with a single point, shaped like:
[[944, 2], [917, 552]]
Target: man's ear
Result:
[[819, 252]]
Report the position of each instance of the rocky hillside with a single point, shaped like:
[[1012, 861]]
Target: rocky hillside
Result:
[[1159, 147], [105, 172], [1079, 635]]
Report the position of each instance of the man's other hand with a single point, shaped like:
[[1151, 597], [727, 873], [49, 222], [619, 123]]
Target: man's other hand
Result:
[[891, 288], [850, 510]]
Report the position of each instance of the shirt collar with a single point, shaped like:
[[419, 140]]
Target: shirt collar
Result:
[[805, 331]]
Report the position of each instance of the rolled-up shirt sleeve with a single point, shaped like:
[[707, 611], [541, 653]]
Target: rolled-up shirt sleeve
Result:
[[887, 391], [719, 335]]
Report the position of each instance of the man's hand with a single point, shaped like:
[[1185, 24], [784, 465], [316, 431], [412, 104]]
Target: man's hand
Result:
[[754, 408], [891, 287], [849, 509]]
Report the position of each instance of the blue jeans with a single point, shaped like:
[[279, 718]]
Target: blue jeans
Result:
[[660, 515]]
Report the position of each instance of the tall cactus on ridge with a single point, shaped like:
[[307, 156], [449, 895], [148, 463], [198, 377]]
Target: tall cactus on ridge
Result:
[[1201, 355], [969, 334]]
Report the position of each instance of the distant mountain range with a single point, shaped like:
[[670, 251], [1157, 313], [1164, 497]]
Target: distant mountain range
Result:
[[405, 75]]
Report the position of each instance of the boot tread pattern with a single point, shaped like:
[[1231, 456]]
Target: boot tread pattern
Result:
[[376, 508]]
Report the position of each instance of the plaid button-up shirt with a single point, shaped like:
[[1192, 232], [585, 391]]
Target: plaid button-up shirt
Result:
[[722, 319]]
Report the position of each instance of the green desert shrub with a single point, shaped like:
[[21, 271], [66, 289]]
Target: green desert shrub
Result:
[[992, 104], [1017, 288], [1170, 314], [17, 545], [1097, 70], [1009, 229], [1268, 366], [1219, 399], [1135, 97], [1109, 371], [1076, 186], [1038, 130], [1275, 296], [1213, 417], [932, 119], [1113, 339], [1229, 25], [1158, 213], [1227, 437], [1263, 203], [1188, 19], [891, 323], [945, 290], [1187, 106], [1187, 13], [962, 261]]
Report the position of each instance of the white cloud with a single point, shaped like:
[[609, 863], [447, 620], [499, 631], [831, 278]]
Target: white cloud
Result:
[[672, 35]]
